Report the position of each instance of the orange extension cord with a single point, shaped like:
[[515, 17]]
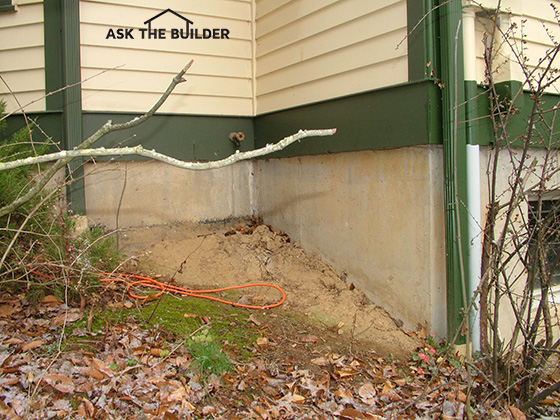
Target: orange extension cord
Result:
[[135, 280]]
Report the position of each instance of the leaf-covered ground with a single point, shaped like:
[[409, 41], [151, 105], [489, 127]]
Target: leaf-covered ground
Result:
[[122, 370], [113, 357]]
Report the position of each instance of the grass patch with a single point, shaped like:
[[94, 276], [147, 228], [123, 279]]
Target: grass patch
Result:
[[183, 316]]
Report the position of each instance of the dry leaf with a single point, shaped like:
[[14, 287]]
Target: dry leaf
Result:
[[298, 399], [7, 310], [517, 413], [262, 341], [12, 341], [94, 373], [156, 352], [343, 393], [170, 416], [351, 413], [367, 393], [61, 383], [310, 339], [32, 345], [67, 318], [387, 387], [347, 371], [51, 300], [320, 361], [261, 412], [179, 394]]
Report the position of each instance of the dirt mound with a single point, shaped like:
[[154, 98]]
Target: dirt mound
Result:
[[211, 256]]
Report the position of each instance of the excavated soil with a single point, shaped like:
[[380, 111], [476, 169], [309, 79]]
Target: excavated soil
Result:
[[238, 252]]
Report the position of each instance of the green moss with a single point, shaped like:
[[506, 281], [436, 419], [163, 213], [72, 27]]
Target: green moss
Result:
[[184, 316]]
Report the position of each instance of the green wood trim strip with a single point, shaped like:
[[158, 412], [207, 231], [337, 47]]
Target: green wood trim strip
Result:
[[405, 115], [53, 53], [477, 119], [7, 8], [186, 137], [72, 99], [422, 29]]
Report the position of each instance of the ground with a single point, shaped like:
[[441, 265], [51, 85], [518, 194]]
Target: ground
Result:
[[325, 353], [218, 255]]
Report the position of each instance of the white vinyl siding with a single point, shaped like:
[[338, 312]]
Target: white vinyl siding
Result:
[[129, 75], [22, 57], [530, 20], [309, 51]]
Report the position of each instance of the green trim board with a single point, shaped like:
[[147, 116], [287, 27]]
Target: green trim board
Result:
[[53, 53], [72, 100], [49, 122], [477, 118], [422, 30], [186, 137], [404, 115]]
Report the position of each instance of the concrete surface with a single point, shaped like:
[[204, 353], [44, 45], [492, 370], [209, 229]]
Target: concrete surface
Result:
[[155, 193], [376, 214]]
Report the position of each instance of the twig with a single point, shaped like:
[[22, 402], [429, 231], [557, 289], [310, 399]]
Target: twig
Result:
[[107, 128], [152, 154]]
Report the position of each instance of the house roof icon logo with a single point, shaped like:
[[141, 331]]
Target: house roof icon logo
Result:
[[187, 21]]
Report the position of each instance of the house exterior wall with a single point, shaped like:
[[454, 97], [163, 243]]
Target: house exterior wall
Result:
[[22, 57], [531, 26], [137, 71], [308, 51], [516, 273], [376, 214]]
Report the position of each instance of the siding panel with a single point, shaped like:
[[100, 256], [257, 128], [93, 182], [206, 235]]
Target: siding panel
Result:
[[22, 60], [535, 24], [219, 83], [306, 52]]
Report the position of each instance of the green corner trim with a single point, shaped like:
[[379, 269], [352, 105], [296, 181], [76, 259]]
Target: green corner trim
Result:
[[7, 8], [72, 100], [422, 30], [53, 54]]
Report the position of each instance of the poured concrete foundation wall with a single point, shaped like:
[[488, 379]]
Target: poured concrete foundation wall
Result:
[[378, 215], [155, 193]]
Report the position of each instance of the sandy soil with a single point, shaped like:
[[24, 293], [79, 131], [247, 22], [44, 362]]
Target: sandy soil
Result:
[[239, 252]]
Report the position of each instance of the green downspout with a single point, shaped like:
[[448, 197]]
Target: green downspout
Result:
[[62, 70], [455, 166]]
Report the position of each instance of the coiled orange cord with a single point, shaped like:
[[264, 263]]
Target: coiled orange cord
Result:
[[135, 280]]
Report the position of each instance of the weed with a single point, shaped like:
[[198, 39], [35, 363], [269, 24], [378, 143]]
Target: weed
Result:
[[207, 355]]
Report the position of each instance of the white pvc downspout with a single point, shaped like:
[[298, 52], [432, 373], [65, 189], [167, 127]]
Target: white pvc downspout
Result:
[[473, 179]]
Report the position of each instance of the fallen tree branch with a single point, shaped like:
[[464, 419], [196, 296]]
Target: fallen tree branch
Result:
[[152, 154], [107, 128]]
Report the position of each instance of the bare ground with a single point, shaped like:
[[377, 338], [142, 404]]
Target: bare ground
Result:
[[224, 254]]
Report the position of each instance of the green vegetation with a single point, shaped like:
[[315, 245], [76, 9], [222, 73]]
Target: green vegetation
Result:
[[207, 354], [40, 253], [184, 316]]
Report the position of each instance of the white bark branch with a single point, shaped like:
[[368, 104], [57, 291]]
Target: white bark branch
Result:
[[152, 154]]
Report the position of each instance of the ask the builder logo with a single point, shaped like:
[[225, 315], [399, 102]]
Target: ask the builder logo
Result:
[[183, 29]]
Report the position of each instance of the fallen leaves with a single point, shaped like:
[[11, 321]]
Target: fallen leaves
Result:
[[61, 383], [126, 371]]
